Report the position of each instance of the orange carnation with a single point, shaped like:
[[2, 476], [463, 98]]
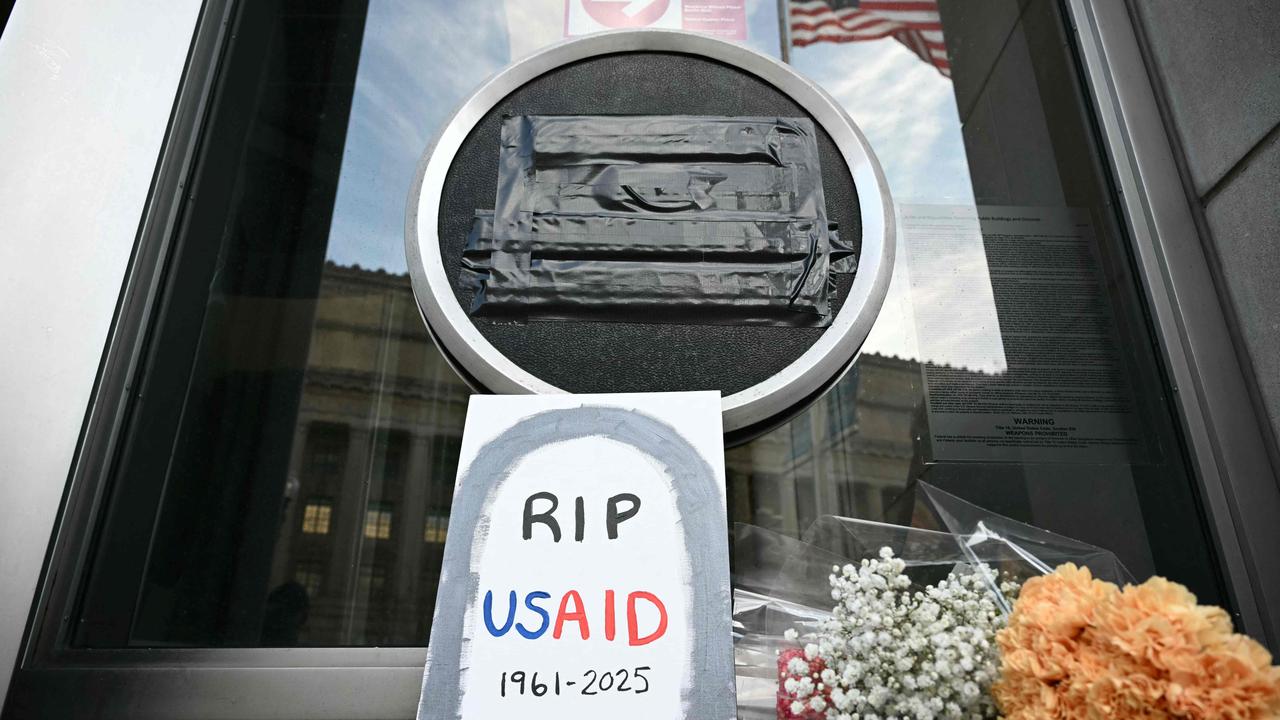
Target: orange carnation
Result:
[[1076, 647]]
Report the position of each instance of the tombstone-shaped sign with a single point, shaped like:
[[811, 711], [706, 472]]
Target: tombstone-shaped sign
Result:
[[586, 568]]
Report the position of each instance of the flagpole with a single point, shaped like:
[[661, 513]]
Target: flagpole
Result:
[[784, 30]]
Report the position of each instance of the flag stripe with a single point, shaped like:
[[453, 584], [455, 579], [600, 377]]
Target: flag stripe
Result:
[[871, 24], [821, 9], [914, 18], [927, 6], [914, 23], [861, 24], [829, 35]]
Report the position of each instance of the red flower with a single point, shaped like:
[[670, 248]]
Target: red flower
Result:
[[785, 699]]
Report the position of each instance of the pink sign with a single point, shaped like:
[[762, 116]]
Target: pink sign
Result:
[[725, 19]]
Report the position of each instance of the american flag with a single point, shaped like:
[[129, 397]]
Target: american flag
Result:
[[914, 23]]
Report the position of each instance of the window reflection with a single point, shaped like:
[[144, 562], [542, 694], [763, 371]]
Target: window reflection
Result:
[[294, 450], [848, 453], [315, 518], [380, 401], [309, 575], [1012, 300], [436, 529], [377, 522]]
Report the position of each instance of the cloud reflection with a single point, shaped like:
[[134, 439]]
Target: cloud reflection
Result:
[[940, 306], [419, 61]]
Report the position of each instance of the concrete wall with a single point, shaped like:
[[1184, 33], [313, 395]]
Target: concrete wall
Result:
[[1217, 67]]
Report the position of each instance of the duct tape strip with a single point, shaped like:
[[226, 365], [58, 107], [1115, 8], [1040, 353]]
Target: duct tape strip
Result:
[[623, 238], [698, 220]]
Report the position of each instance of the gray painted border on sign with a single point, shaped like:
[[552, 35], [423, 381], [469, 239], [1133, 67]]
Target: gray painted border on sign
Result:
[[711, 691]]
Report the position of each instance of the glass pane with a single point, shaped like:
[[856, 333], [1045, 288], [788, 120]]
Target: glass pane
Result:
[[286, 473], [1012, 363]]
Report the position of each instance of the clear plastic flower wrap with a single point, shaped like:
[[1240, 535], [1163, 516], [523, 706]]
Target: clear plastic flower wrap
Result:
[[783, 583]]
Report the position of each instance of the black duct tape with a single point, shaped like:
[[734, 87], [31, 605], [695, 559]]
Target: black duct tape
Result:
[[668, 219], [565, 237]]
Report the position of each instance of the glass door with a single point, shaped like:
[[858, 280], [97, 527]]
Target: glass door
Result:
[[264, 537]]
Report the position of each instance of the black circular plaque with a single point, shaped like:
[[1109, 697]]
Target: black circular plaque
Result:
[[764, 372]]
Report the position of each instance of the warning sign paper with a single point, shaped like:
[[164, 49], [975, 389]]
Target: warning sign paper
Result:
[[1021, 356], [724, 19]]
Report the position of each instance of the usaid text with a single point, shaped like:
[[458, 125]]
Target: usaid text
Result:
[[528, 613]]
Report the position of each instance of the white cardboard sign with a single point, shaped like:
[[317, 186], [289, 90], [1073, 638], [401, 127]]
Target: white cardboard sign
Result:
[[586, 568]]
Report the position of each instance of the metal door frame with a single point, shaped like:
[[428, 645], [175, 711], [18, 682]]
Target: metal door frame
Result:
[[1224, 435]]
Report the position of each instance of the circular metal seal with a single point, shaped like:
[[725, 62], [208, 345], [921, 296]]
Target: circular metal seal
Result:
[[485, 367]]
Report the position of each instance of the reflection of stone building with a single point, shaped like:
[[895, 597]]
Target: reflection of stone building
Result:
[[376, 446], [379, 407], [850, 453]]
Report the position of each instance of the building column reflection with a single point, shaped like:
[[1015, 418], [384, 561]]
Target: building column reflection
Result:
[[349, 515], [411, 538]]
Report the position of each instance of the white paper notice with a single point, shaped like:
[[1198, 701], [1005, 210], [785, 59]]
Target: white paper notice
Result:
[[1018, 340], [586, 568]]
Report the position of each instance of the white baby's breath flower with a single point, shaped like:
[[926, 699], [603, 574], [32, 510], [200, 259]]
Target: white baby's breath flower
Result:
[[893, 652], [804, 688]]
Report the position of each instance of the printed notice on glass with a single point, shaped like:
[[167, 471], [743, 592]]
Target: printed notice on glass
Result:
[[586, 571], [1021, 356]]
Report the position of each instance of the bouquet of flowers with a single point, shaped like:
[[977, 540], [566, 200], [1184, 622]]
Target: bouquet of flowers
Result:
[[974, 622], [1076, 646], [893, 652]]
